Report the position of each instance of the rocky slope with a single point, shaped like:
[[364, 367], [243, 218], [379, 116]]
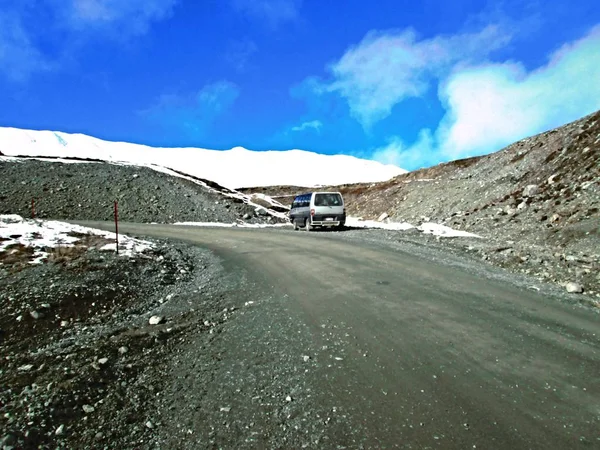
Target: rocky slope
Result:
[[536, 202], [82, 361], [81, 190]]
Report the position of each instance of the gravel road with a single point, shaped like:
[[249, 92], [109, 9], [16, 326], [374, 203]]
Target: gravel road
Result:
[[346, 343]]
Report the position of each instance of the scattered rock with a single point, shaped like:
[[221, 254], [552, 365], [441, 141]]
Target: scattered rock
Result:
[[306, 358], [530, 190], [8, 441], [122, 350], [574, 288], [382, 217], [88, 409], [155, 320], [149, 425], [36, 314], [60, 430]]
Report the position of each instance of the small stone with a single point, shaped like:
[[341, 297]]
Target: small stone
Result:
[[36, 315], [382, 217], [225, 408], [306, 358], [102, 361], [60, 430], [574, 288], [149, 425], [122, 350], [25, 368], [288, 399], [155, 320], [8, 441], [554, 218], [530, 190], [88, 409]]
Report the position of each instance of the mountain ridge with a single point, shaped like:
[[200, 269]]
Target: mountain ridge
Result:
[[231, 168]]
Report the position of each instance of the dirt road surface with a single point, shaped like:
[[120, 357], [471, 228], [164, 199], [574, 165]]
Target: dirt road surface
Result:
[[354, 345]]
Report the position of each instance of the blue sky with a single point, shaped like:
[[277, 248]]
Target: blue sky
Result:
[[404, 82]]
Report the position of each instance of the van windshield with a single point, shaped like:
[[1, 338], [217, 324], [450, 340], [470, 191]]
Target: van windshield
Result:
[[328, 200]]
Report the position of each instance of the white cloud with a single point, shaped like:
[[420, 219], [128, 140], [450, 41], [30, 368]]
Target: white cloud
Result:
[[312, 125], [493, 105], [128, 16], [19, 57], [274, 12], [194, 113], [386, 68], [239, 53], [67, 24], [420, 154]]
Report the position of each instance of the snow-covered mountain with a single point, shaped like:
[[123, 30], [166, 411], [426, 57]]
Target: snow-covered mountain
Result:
[[233, 168]]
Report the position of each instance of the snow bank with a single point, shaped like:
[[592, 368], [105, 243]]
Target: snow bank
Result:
[[234, 225], [356, 222], [353, 222], [427, 228], [42, 235]]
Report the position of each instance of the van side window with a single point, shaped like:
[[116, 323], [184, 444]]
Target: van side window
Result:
[[306, 201]]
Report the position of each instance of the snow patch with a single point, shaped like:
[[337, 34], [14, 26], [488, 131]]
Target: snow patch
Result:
[[42, 235], [443, 231]]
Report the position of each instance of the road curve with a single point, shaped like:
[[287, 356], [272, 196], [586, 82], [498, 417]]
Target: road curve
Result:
[[434, 356]]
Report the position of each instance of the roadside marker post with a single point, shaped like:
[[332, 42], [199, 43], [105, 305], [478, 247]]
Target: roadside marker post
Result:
[[117, 226]]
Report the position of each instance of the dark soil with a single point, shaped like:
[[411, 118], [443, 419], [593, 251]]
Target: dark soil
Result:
[[74, 334]]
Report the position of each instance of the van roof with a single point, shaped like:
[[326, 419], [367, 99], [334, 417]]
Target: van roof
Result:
[[318, 192]]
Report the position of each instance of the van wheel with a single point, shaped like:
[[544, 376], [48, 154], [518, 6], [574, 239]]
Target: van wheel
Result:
[[307, 225], [296, 227]]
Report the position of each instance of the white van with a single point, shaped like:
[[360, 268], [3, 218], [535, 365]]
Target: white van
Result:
[[318, 209]]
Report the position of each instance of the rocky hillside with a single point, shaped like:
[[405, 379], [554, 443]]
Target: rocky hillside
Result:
[[87, 190], [536, 202]]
